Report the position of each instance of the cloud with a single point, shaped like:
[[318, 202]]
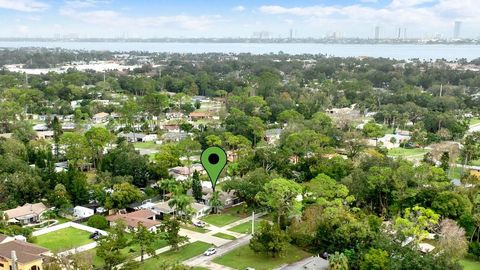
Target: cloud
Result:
[[23, 29], [116, 19], [239, 9], [23, 5], [85, 3], [438, 15], [368, 1]]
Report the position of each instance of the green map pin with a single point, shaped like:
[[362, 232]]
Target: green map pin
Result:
[[213, 160]]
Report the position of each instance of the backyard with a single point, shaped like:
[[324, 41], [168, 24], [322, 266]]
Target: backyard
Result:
[[63, 239], [244, 257]]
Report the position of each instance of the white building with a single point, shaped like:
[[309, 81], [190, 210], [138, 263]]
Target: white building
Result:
[[83, 212]]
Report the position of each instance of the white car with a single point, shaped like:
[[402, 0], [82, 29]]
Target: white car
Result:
[[210, 251], [199, 224]]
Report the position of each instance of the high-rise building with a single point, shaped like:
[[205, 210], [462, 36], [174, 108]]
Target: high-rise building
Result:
[[377, 32], [399, 36], [456, 29], [291, 33]]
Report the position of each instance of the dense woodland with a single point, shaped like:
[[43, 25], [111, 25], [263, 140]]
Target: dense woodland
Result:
[[368, 210]]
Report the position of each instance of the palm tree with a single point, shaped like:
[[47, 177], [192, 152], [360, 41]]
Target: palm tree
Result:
[[181, 202], [337, 261], [215, 201], [168, 184]]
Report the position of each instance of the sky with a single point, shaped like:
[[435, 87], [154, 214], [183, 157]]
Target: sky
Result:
[[225, 18]]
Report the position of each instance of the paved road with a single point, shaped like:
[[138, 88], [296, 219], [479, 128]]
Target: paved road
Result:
[[204, 260]]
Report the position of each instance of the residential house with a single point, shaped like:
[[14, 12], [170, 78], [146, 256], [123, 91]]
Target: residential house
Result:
[[44, 135], [180, 173], [138, 137], [228, 199], [23, 255], [199, 209], [201, 99], [83, 212], [171, 127], [100, 117], [40, 127], [272, 136], [132, 220], [174, 115], [195, 116], [26, 214], [174, 136], [68, 126]]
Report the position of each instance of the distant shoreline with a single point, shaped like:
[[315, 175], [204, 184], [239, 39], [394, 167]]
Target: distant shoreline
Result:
[[426, 52], [351, 41]]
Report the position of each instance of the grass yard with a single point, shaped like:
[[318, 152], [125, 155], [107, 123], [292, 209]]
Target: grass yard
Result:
[[406, 152], [474, 121], [63, 239], [244, 257], [146, 145], [130, 251], [469, 264], [455, 172], [225, 236], [227, 216], [186, 252], [194, 228], [246, 227], [475, 162]]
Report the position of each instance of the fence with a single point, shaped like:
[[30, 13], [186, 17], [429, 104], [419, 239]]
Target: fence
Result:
[[67, 225]]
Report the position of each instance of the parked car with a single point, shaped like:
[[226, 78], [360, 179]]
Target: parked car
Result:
[[210, 251], [96, 235], [249, 268], [199, 224]]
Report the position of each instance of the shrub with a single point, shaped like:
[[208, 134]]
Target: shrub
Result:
[[97, 221]]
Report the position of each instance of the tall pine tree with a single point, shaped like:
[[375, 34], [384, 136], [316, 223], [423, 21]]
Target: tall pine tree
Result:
[[196, 186]]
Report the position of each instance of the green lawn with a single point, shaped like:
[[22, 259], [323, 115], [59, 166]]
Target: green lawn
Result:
[[243, 257], [146, 145], [404, 152], [130, 251], [194, 228], [246, 227], [455, 172], [186, 252], [63, 239], [227, 216], [475, 162], [225, 236], [474, 121], [469, 264]]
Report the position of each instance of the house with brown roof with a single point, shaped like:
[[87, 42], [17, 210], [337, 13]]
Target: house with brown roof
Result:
[[132, 220], [195, 116], [23, 255], [26, 214]]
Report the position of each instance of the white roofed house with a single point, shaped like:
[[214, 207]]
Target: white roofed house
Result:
[[100, 117], [83, 212], [273, 135], [199, 209], [138, 137]]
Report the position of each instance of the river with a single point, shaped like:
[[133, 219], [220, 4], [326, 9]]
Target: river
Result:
[[397, 51]]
